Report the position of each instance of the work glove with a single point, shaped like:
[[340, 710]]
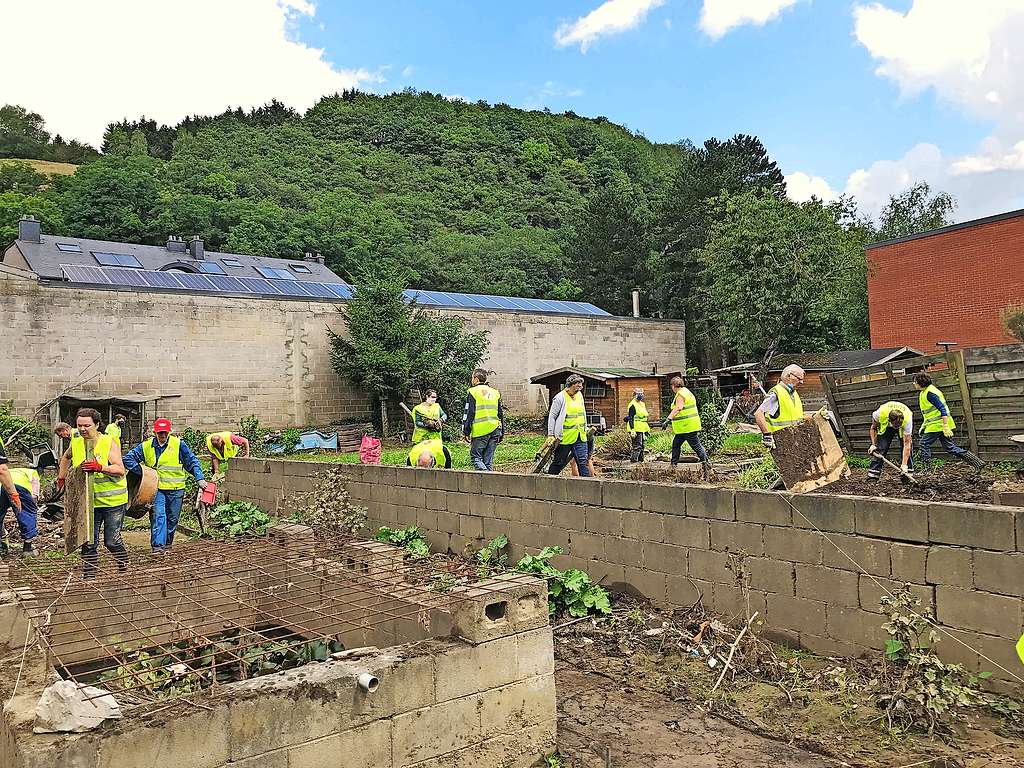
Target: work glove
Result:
[[768, 441], [60, 483], [947, 432], [16, 502], [872, 450], [823, 412], [202, 484], [92, 466], [903, 468]]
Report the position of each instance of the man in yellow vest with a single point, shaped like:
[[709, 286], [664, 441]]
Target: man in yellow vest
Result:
[[567, 421], [938, 424], [174, 461], [891, 419], [224, 446], [429, 454], [19, 489], [483, 421], [114, 428], [428, 418], [109, 487], [781, 407], [637, 424], [685, 420]]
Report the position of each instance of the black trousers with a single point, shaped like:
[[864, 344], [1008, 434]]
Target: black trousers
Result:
[[693, 438], [885, 440]]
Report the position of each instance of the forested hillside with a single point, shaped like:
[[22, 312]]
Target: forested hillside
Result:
[[481, 198]]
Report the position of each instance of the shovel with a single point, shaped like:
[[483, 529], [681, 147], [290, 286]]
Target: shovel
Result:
[[904, 475]]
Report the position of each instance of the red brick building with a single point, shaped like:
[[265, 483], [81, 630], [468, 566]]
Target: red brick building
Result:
[[949, 284]]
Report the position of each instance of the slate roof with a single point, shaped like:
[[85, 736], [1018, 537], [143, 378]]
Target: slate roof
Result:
[[601, 374], [842, 360]]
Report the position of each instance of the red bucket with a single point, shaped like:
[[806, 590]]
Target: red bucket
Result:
[[209, 494]]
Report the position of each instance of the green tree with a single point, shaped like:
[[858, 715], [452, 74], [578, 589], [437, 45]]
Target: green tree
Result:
[[14, 205], [20, 177], [914, 210], [22, 133]]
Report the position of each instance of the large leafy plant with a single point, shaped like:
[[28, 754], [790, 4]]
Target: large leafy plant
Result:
[[410, 539], [240, 518], [570, 590]]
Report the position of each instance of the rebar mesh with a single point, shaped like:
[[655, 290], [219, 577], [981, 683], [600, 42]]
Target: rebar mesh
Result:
[[215, 611]]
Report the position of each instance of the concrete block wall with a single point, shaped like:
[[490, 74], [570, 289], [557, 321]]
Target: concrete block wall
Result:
[[675, 544]]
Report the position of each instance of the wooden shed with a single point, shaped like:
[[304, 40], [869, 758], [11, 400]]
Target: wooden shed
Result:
[[607, 391]]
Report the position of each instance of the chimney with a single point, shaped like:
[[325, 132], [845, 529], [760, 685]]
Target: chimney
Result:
[[319, 258], [309, 256], [195, 248], [175, 244], [29, 229], [636, 303]]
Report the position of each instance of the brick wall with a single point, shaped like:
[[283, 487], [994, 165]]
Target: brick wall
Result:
[[231, 357], [946, 287], [673, 543]]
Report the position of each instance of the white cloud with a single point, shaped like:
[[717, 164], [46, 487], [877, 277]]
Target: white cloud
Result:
[[165, 61], [408, 71], [551, 90], [610, 18], [719, 16], [801, 187]]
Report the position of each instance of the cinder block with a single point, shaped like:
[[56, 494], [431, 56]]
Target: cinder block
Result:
[[521, 486], [459, 503], [872, 589], [831, 514], [572, 517], [540, 513], [710, 566], [426, 519], [999, 572], [665, 558], [605, 573], [604, 520], [436, 500], [796, 614], [771, 575], [471, 527], [550, 488], [981, 611], [649, 584], [909, 562], [718, 503], [583, 490], [827, 584], [512, 708], [737, 537], [436, 730], [668, 499], [971, 525], [736, 604], [506, 508], [789, 544], [535, 653], [368, 746], [447, 522], [828, 646], [687, 591], [588, 545], [904, 520], [499, 606], [199, 739], [645, 526], [687, 532], [621, 494], [856, 626], [950, 566], [871, 555], [764, 507]]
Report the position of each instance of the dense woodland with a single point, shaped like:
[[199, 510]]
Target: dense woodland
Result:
[[483, 198]]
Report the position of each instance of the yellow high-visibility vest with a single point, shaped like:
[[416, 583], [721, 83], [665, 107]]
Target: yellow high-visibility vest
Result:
[[640, 416], [435, 447], [688, 418], [485, 415], [791, 410], [933, 416], [106, 491], [114, 431], [429, 412], [883, 415], [574, 428], [230, 450], [25, 477], [168, 466]]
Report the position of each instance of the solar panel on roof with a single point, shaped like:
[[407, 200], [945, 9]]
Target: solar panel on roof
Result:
[[258, 285], [291, 289], [340, 290], [132, 277], [160, 279], [116, 259], [79, 274], [320, 290], [195, 282], [229, 284]]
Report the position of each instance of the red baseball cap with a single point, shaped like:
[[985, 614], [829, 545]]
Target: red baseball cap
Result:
[[162, 425]]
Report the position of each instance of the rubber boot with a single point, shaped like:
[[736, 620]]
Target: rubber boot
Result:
[[974, 461], [705, 470]]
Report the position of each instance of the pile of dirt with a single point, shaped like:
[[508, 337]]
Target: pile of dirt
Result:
[[953, 482]]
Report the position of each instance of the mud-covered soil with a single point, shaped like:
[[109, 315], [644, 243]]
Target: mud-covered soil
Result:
[[953, 482]]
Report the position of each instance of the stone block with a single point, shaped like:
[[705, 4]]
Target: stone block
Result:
[[950, 566], [971, 525], [604, 520], [605, 573], [764, 507], [540, 513], [737, 537], [717, 503], [829, 646], [368, 746], [872, 589], [771, 575], [796, 614], [432, 731], [621, 494], [980, 611], [902, 520], [535, 653], [508, 509], [871, 555], [665, 558], [854, 625], [684, 591], [668, 499], [471, 527], [199, 739], [590, 546], [512, 708], [831, 514], [583, 490], [736, 604], [794, 545], [909, 562], [829, 585], [521, 486], [649, 584], [710, 566], [645, 526], [687, 532], [999, 572], [572, 517], [550, 488]]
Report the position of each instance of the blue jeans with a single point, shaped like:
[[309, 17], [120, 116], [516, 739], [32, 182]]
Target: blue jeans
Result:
[[166, 511], [26, 517], [928, 439], [578, 451], [693, 438], [481, 451], [884, 442], [110, 519]]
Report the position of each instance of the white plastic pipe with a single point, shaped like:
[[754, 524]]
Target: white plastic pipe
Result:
[[368, 682]]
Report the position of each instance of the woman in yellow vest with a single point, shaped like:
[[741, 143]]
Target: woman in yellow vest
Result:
[[938, 424], [891, 419], [174, 461], [224, 446], [428, 418], [685, 420], [429, 454], [567, 421], [637, 424], [23, 502], [109, 487]]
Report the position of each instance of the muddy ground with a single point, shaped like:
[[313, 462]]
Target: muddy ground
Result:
[[953, 482]]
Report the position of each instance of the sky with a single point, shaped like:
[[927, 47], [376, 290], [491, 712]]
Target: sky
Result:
[[862, 98]]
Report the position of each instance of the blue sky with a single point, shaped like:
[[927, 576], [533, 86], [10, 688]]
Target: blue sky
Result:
[[857, 97]]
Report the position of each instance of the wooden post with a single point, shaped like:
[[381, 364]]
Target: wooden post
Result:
[[90, 511], [955, 360], [829, 381]]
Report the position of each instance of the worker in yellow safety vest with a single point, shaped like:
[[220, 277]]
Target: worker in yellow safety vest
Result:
[[781, 407], [891, 419], [567, 422], [109, 487], [224, 446], [174, 461], [428, 417], [637, 424], [429, 454], [938, 424], [19, 489], [114, 428], [685, 420], [483, 421]]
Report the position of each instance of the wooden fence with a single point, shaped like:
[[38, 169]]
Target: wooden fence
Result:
[[984, 389]]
